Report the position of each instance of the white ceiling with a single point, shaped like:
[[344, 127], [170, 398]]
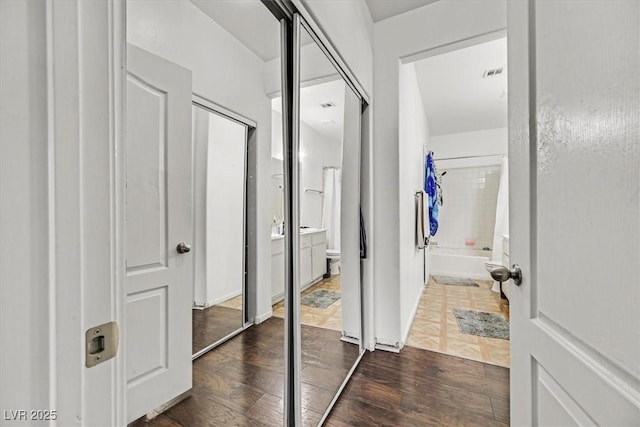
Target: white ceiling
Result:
[[249, 21], [383, 9], [456, 97], [317, 117]]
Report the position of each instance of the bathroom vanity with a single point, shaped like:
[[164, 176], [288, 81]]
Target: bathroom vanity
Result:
[[313, 260]]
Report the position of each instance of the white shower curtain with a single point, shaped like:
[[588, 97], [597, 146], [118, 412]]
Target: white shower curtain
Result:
[[502, 215], [331, 206]]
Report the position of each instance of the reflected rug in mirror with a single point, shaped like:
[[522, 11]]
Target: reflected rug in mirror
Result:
[[322, 298], [482, 324], [454, 281]]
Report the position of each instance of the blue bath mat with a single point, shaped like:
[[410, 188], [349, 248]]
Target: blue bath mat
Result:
[[322, 298], [454, 281], [481, 324]]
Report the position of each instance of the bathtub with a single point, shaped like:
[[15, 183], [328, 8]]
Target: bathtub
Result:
[[463, 262]]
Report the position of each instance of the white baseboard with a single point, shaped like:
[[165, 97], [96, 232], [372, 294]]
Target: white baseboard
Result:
[[261, 318], [202, 305], [407, 327], [388, 347]]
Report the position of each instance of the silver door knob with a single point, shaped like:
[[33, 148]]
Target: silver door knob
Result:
[[183, 248], [502, 274]]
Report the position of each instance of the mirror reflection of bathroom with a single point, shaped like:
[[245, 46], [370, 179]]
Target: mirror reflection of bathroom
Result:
[[329, 168], [458, 103]]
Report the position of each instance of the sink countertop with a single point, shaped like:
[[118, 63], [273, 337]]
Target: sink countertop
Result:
[[303, 231]]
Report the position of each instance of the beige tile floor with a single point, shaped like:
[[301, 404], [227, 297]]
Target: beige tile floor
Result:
[[328, 318], [435, 327], [232, 303]]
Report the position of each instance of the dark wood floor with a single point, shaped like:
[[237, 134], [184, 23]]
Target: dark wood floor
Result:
[[212, 324], [241, 383], [423, 388]]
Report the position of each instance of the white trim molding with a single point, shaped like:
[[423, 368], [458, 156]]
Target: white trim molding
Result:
[[85, 108]]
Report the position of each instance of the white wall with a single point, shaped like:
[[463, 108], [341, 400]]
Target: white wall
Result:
[[349, 26], [317, 151], [225, 204], [478, 143], [413, 138], [429, 27], [227, 73]]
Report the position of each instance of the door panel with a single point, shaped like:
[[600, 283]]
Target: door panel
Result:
[[159, 216], [574, 127], [350, 216]]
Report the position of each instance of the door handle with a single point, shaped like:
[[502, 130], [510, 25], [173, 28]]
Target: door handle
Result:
[[502, 274], [183, 248]]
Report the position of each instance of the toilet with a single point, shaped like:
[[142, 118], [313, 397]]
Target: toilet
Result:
[[333, 259]]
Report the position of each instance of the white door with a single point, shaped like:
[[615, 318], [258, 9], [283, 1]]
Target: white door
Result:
[[159, 217], [574, 149]]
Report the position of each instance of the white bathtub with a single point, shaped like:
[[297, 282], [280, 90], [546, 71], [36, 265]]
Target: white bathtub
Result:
[[462, 262]]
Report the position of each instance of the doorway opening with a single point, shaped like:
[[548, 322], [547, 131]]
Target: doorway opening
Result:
[[453, 118]]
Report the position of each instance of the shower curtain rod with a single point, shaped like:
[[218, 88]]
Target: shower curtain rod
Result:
[[470, 157]]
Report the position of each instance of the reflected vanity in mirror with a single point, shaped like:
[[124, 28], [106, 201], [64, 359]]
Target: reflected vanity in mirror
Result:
[[329, 255], [219, 162]]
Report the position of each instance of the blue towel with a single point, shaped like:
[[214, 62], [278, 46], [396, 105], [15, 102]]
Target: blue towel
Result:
[[431, 189]]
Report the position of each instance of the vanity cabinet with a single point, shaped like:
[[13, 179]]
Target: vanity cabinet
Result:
[[277, 268], [318, 255], [313, 261]]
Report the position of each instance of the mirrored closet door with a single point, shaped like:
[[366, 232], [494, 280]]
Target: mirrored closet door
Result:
[[329, 253], [219, 196], [201, 78]]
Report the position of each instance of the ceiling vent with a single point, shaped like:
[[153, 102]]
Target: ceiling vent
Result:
[[328, 105], [492, 73]]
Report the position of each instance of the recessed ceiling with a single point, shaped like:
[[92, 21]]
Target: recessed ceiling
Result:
[[457, 95], [383, 9], [327, 121]]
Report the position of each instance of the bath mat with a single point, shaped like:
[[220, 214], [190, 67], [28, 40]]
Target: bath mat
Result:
[[482, 324], [454, 281], [322, 298]]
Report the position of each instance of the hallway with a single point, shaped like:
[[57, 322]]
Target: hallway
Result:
[[241, 383]]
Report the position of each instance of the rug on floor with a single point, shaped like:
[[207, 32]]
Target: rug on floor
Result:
[[454, 281], [322, 298], [482, 324]]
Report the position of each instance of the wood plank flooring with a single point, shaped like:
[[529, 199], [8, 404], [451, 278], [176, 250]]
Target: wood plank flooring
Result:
[[423, 388], [212, 324], [241, 384]]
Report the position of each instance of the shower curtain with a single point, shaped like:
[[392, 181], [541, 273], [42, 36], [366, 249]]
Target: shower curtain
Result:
[[331, 206], [502, 216]]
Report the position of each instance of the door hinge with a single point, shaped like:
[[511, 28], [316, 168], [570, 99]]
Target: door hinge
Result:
[[101, 343]]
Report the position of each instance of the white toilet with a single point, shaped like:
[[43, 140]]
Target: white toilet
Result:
[[333, 255]]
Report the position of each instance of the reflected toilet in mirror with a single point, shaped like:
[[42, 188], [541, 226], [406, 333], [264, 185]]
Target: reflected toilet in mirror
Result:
[[329, 256]]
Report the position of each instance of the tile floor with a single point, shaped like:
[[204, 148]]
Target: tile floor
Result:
[[328, 318], [233, 303], [435, 328]]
